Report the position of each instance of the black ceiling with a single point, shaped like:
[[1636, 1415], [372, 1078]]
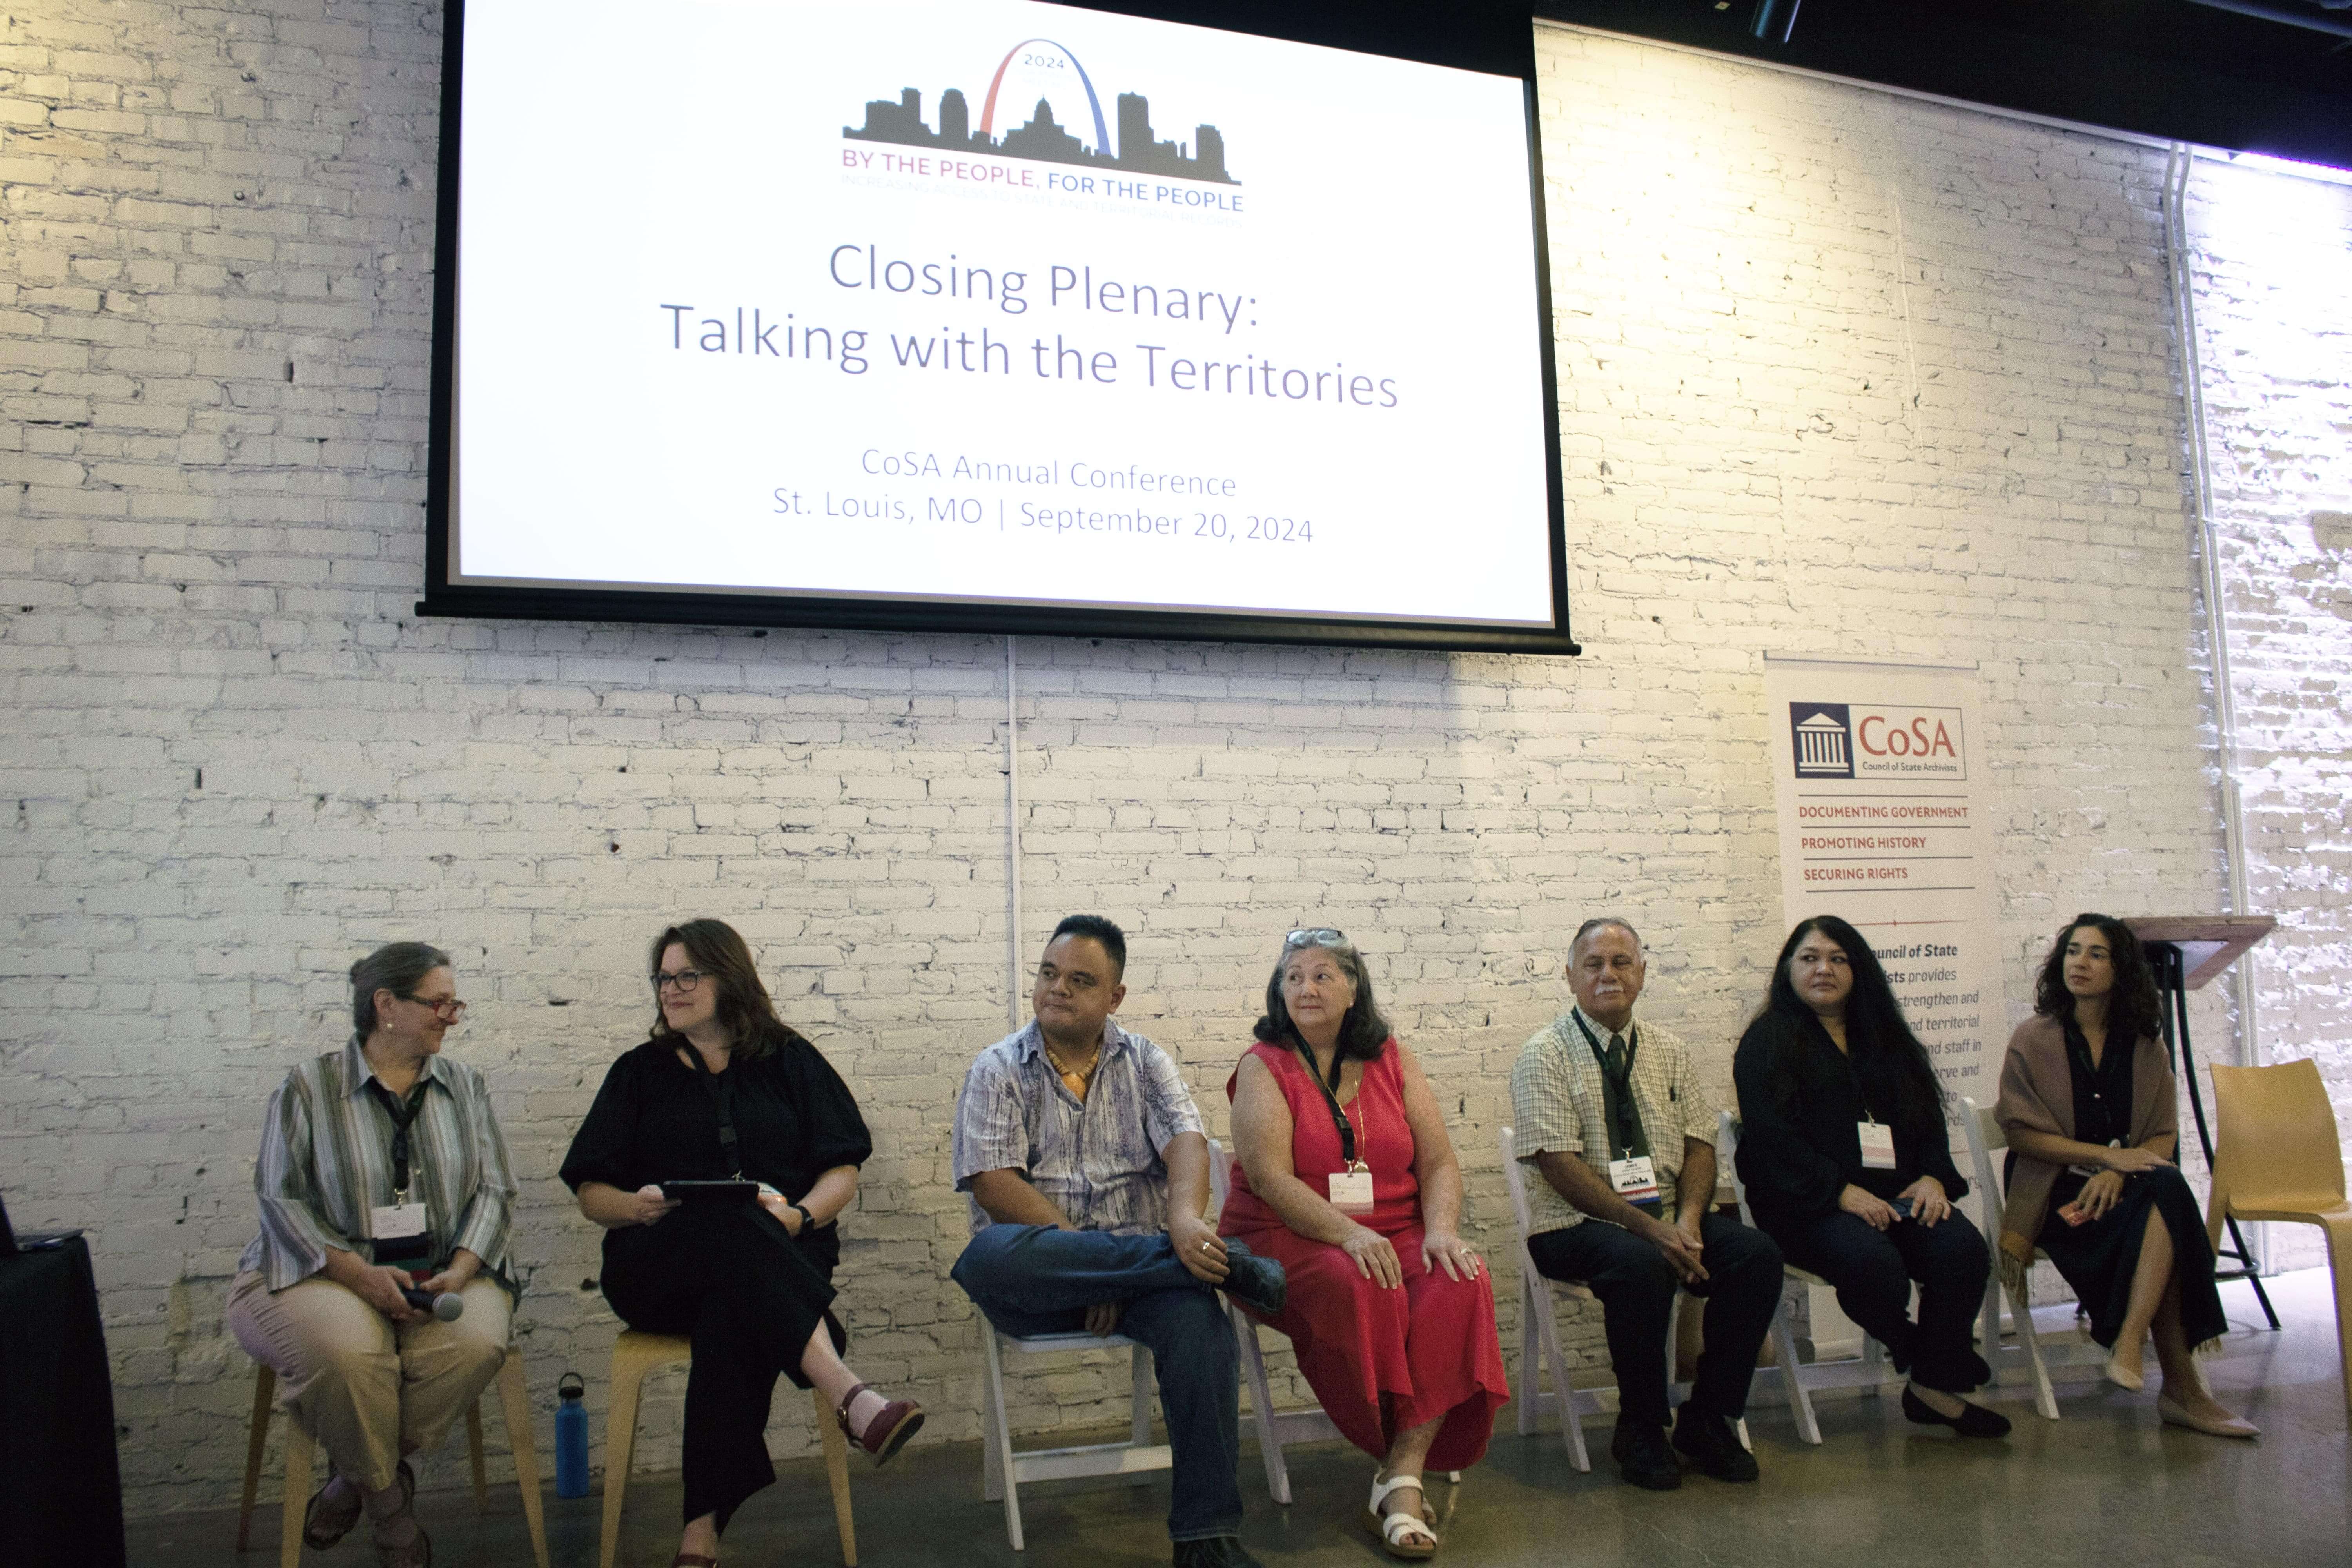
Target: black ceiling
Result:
[[2169, 69], [2175, 69]]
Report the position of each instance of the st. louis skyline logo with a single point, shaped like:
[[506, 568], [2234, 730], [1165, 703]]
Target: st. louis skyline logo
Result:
[[1042, 139]]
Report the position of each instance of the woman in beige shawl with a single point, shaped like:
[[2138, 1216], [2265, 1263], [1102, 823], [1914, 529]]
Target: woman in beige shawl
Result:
[[2087, 1100]]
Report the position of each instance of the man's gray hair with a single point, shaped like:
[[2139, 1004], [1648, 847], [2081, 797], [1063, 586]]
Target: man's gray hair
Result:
[[1594, 924]]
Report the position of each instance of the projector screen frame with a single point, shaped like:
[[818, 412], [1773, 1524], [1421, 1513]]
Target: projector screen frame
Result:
[[1497, 42]]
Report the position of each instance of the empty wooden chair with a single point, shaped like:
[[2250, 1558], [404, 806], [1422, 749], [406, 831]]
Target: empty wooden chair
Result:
[[2276, 1157]]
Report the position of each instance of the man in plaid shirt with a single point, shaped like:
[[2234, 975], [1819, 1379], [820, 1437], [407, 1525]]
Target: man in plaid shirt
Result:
[[1612, 1115]]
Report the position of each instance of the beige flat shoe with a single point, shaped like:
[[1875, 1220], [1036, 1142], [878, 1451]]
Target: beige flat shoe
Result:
[[2235, 1426], [2128, 1381]]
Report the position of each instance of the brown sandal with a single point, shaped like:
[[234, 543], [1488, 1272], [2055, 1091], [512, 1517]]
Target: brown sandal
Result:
[[319, 1538], [888, 1432]]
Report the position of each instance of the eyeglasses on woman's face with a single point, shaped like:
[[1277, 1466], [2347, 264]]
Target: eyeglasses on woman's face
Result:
[[686, 979], [448, 1009]]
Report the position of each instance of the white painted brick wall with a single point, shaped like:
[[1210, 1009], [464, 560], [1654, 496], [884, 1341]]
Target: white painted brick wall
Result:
[[2274, 276], [1838, 373]]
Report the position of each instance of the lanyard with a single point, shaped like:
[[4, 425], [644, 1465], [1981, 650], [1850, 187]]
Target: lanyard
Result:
[[1624, 1116], [721, 1086], [402, 1118], [1339, 1122]]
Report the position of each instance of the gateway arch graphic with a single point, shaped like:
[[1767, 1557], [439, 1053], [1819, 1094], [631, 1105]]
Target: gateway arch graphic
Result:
[[1042, 139], [988, 109]]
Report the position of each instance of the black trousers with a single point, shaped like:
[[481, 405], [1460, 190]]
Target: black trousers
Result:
[[1636, 1287], [1872, 1271], [731, 1278]]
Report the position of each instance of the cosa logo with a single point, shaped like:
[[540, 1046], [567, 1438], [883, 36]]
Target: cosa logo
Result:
[[1881, 736], [1858, 741]]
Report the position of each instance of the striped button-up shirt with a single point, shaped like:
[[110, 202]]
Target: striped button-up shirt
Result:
[[1099, 1160], [326, 1160], [1558, 1102]]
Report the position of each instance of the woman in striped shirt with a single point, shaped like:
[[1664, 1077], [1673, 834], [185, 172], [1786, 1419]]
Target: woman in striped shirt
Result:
[[383, 1183]]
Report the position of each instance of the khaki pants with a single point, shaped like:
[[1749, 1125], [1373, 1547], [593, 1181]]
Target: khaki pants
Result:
[[369, 1391]]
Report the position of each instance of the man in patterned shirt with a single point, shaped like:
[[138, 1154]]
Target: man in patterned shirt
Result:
[[1088, 1175], [1611, 1113]]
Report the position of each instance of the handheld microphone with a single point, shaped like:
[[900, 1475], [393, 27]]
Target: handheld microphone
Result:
[[448, 1306]]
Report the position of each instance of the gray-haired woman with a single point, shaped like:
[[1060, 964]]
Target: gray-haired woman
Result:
[[382, 1171]]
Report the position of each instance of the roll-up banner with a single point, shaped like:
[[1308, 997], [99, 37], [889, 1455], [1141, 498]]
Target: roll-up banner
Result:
[[1886, 822]]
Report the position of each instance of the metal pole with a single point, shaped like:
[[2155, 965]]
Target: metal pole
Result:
[[2178, 166], [1012, 965]]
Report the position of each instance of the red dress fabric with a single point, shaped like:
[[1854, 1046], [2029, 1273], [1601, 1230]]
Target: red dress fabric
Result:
[[1427, 1350]]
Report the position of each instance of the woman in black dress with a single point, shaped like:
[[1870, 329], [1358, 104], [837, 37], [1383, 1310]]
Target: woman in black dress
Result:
[[1848, 1166], [724, 1088], [2092, 1113]]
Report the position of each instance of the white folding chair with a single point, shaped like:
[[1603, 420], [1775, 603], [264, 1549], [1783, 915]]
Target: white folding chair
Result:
[[1274, 1428], [1540, 1331], [1985, 1135], [1004, 1467], [1870, 1371]]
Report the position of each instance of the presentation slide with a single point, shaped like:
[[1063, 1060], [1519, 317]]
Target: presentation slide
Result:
[[992, 302]]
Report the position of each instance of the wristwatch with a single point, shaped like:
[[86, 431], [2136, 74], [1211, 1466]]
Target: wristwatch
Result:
[[808, 1220]]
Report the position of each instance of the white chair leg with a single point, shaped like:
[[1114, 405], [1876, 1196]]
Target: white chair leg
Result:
[[1139, 1372], [998, 1442], [2045, 1397], [1784, 1345], [1530, 1379], [1674, 1344], [1571, 1426], [1269, 1445]]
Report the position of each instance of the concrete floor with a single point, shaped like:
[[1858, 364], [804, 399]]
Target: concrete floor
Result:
[[2106, 1482]]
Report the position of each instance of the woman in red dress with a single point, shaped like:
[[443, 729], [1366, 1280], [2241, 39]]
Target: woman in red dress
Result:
[[1347, 1178]]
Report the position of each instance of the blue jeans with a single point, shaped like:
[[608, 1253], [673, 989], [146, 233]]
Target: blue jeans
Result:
[[1033, 1279]]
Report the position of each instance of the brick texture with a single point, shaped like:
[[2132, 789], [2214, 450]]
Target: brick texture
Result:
[[2273, 254], [1839, 372]]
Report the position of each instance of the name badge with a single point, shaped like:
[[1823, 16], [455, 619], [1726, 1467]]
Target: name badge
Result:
[[1351, 1190], [395, 1222], [1636, 1179], [1877, 1145], [397, 1231]]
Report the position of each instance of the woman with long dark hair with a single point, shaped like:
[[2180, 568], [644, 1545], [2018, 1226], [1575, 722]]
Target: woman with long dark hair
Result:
[[2092, 1112], [1347, 1178], [1848, 1166], [725, 1091]]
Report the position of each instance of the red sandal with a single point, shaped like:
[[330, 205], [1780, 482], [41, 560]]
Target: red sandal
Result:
[[888, 1432]]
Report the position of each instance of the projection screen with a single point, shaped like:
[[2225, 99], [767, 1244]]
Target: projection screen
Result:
[[988, 315]]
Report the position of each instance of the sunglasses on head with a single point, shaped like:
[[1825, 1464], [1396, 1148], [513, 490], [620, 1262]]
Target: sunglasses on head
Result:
[[1316, 936]]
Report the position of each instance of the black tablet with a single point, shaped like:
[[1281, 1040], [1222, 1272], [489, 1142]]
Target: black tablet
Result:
[[710, 1192]]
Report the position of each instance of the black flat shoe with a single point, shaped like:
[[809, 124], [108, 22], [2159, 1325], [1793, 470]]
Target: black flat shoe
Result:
[[1214, 1551], [1645, 1458], [1258, 1283], [1973, 1421], [1712, 1446]]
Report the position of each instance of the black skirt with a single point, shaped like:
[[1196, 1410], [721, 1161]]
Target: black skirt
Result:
[[2098, 1260]]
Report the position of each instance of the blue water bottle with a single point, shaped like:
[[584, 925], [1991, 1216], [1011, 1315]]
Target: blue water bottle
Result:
[[571, 1437]]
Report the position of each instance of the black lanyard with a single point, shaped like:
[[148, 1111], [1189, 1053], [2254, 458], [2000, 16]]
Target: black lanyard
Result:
[[1617, 1096], [721, 1086], [402, 1118], [1339, 1122]]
